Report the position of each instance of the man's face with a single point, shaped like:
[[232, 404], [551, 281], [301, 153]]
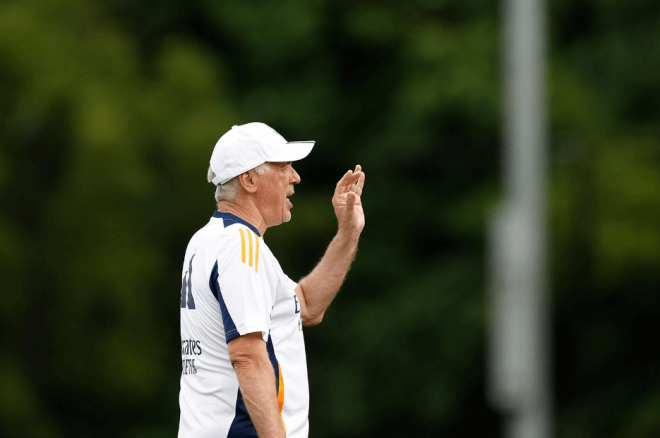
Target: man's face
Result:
[[274, 188]]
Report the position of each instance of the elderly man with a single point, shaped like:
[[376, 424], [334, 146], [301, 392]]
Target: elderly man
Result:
[[243, 354]]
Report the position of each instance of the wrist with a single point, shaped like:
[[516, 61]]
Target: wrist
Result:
[[348, 236]]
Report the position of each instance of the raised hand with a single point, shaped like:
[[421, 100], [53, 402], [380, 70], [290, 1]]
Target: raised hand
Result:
[[347, 201]]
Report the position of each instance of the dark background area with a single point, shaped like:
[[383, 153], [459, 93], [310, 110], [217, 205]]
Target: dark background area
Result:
[[108, 115]]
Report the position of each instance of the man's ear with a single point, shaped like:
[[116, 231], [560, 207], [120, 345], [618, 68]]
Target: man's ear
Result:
[[247, 180]]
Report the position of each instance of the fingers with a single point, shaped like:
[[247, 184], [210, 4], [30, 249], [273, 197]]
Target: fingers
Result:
[[351, 181], [357, 182], [342, 185], [360, 184]]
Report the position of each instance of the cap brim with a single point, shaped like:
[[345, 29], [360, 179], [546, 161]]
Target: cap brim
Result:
[[292, 151]]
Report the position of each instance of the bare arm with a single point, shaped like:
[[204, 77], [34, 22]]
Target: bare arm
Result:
[[317, 290], [256, 379]]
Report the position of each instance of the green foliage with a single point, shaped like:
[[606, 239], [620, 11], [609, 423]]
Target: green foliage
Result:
[[108, 115]]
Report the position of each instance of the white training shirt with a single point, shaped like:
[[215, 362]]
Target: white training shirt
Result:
[[233, 285]]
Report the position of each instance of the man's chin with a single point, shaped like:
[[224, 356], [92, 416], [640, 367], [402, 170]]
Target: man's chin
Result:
[[286, 217]]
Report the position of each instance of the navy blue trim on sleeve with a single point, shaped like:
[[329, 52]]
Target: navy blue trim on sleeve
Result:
[[230, 219], [230, 328]]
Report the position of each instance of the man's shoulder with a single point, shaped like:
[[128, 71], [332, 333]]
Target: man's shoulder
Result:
[[214, 238], [237, 237], [231, 242]]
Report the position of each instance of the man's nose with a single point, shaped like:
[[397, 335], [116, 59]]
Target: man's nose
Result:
[[295, 178]]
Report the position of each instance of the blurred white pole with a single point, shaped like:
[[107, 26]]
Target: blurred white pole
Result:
[[519, 332]]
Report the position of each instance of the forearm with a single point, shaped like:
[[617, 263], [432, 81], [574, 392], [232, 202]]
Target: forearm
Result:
[[322, 284], [317, 290], [257, 383]]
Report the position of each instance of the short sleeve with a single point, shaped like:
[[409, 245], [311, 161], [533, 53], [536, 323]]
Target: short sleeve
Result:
[[286, 283], [244, 294]]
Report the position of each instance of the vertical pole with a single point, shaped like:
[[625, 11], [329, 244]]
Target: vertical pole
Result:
[[519, 337]]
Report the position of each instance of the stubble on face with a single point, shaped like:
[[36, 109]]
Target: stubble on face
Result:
[[277, 187], [286, 208]]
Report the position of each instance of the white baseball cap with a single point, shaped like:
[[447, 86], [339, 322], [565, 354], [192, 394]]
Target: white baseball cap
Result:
[[245, 147]]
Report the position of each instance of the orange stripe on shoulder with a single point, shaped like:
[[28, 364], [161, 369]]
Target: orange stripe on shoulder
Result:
[[249, 233], [256, 262], [242, 245]]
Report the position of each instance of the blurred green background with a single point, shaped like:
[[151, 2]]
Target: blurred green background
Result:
[[109, 111]]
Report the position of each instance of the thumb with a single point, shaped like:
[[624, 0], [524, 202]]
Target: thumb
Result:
[[350, 199]]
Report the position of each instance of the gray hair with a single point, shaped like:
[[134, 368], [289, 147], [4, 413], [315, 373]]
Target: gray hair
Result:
[[228, 190]]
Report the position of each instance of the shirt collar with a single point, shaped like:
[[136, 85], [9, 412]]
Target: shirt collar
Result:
[[228, 217]]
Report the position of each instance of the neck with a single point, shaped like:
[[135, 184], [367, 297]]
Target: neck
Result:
[[246, 211]]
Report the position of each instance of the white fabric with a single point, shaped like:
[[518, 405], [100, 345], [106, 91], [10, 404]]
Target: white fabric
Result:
[[258, 298], [245, 147]]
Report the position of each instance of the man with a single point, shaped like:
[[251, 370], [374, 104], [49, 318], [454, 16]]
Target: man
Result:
[[243, 353]]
